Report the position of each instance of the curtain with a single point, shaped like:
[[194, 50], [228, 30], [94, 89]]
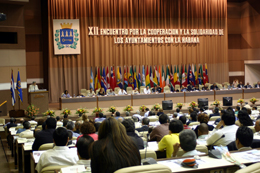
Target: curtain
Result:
[[72, 72]]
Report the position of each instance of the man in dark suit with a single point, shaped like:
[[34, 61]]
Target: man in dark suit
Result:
[[257, 85], [156, 89], [216, 112], [240, 85], [214, 87], [45, 136], [145, 125], [12, 123], [190, 87], [247, 85]]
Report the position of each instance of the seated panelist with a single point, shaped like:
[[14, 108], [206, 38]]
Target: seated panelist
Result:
[[122, 92], [110, 92], [33, 87], [101, 92], [91, 92], [65, 94], [136, 91], [190, 87], [196, 88], [147, 90], [257, 85], [184, 89], [248, 85], [156, 89], [214, 87]]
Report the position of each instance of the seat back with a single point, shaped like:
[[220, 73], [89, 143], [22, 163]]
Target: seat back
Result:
[[153, 118], [166, 89], [141, 90], [52, 169], [116, 90], [254, 168], [149, 153], [209, 85], [19, 127], [194, 123], [200, 87], [214, 118], [177, 87], [97, 91], [201, 148], [2, 121], [129, 90], [143, 134], [46, 146], [83, 92], [252, 128], [219, 86], [28, 136], [156, 168]]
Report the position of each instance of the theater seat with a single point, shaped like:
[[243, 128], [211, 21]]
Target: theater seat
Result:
[[129, 90], [177, 87], [156, 168], [52, 169], [201, 148], [46, 146], [166, 89], [153, 118], [214, 118], [149, 153], [250, 169], [194, 123]]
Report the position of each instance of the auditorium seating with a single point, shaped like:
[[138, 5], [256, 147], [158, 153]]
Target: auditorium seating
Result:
[[214, 118], [153, 118], [116, 90], [252, 128], [83, 92], [194, 123], [166, 89], [2, 121], [201, 86], [142, 89], [201, 148], [129, 90], [46, 146], [156, 168], [149, 153], [97, 91], [177, 87], [254, 168], [52, 169]]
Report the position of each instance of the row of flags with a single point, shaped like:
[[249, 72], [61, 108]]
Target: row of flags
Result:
[[18, 87], [152, 77]]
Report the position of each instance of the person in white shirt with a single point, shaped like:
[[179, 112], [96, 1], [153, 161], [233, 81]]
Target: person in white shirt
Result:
[[91, 93], [137, 114], [187, 143], [135, 92], [59, 123], [229, 130], [146, 114], [147, 90], [27, 133], [83, 145], [60, 154], [33, 87], [33, 122], [203, 131], [122, 92]]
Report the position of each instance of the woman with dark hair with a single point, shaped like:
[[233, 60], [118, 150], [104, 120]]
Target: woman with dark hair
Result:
[[193, 117], [66, 94], [114, 149], [244, 119], [203, 118], [101, 92], [88, 128]]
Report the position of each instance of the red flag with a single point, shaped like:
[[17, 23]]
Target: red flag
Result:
[[184, 78], [108, 80], [99, 77], [205, 77], [112, 79]]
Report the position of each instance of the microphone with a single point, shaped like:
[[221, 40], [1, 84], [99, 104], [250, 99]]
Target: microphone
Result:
[[149, 160], [215, 153]]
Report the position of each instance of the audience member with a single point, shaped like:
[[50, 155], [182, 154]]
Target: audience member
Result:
[[183, 119], [161, 130], [178, 112], [27, 133], [88, 128], [244, 138], [83, 145], [21, 129], [203, 131], [187, 143], [118, 116], [100, 118], [172, 138], [160, 112], [70, 127], [12, 123], [151, 113], [59, 123], [216, 112], [203, 118], [237, 109], [130, 131], [77, 126], [193, 117], [85, 118], [33, 120], [145, 125], [244, 119], [65, 117], [45, 136], [114, 149], [60, 154], [229, 129], [146, 112], [127, 114], [65, 122], [257, 125]]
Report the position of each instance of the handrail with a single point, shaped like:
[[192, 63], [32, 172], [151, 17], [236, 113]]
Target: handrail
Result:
[[3, 103]]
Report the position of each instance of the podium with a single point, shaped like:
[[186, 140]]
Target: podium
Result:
[[40, 99]]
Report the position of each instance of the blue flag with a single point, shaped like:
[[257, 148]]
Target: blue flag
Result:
[[143, 77], [18, 87], [12, 89], [103, 80], [119, 77], [91, 79]]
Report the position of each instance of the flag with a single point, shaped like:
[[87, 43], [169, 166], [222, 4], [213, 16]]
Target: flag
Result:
[[206, 71], [155, 79], [91, 79], [108, 80], [184, 77], [200, 75], [163, 77], [139, 79], [151, 77], [12, 89], [100, 75], [178, 76], [193, 76], [131, 77], [119, 78], [97, 82], [125, 78], [19, 88], [135, 79], [167, 79], [143, 77], [112, 79], [175, 77], [147, 78], [205, 78], [103, 80], [196, 75], [160, 77], [171, 78]]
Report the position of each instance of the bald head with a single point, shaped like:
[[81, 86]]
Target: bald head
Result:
[[257, 125], [203, 129]]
